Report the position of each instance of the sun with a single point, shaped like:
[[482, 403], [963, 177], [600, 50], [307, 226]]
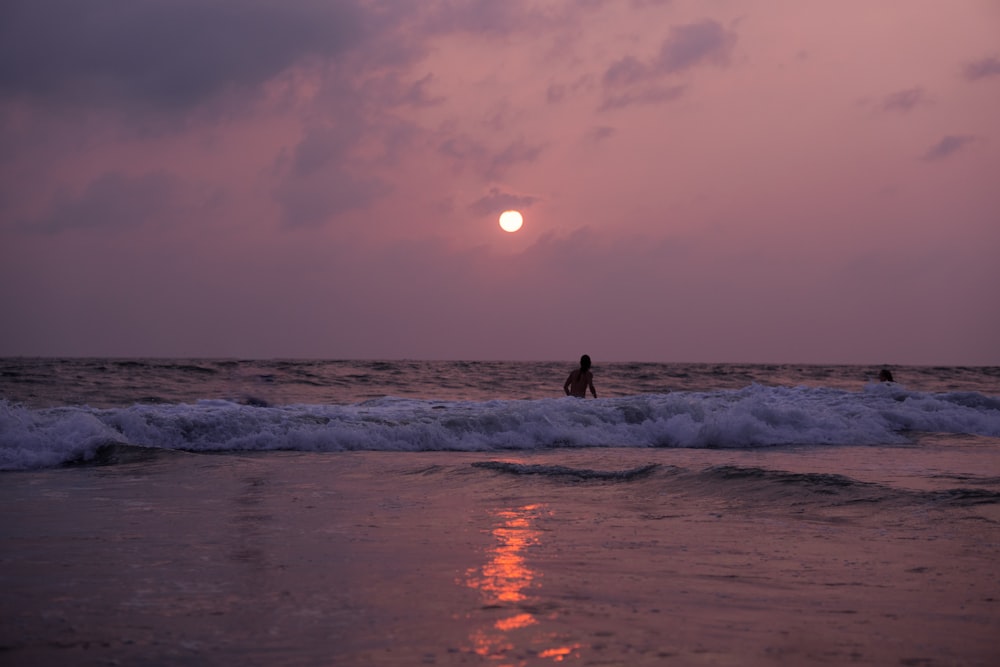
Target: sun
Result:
[[511, 221]]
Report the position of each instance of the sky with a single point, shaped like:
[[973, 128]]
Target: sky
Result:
[[701, 181]]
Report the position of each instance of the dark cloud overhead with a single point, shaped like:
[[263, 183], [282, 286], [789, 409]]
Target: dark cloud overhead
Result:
[[172, 53]]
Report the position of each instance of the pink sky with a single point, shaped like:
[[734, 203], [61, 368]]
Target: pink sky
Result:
[[714, 181]]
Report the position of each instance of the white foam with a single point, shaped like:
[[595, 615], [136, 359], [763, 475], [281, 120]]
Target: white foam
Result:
[[44, 438], [750, 417]]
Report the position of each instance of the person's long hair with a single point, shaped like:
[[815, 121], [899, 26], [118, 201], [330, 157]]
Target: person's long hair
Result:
[[584, 363]]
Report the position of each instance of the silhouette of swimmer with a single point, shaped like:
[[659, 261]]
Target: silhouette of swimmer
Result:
[[885, 375], [580, 380]]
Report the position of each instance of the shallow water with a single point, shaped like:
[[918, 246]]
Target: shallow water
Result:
[[165, 512], [600, 556]]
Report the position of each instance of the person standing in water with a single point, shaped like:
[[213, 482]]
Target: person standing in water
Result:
[[580, 380]]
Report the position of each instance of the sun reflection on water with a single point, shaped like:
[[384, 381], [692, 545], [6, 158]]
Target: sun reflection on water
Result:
[[506, 582]]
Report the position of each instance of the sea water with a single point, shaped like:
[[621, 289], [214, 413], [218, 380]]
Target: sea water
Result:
[[402, 512], [54, 412]]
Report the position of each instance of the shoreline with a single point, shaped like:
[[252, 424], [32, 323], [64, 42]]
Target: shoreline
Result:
[[369, 558]]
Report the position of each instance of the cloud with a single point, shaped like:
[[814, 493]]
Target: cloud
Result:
[[648, 96], [463, 149], [947, 146], [114, 201], [516, 152], [321, 177], [314, 202], [416, 94], [497, 200], [627, 71], [162, 53], [904, 100], [694, 44], [320, 147], [555, 93], [480, 17], [688, 46], [470, 153], [600, 133], [558, 93], [982, 69]]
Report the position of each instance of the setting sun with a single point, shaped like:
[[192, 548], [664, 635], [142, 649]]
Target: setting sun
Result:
[[511, 221]]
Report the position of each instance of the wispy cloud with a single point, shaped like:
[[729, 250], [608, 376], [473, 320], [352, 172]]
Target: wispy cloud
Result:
[[517, 152], [498, 200], [981, 69], [468, 153], [904, 100], [687, 46], [695, 44], [112, 201], [318, 201], [600, 133], [948, 145], [315, 182], [655, 95]]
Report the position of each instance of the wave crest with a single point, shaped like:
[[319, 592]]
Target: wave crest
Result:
[[755, 416]]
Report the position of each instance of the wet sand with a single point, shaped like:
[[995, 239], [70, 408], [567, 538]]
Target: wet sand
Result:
[[389, 559]]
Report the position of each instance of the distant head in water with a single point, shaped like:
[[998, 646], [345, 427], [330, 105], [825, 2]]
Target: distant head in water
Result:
[[585, 362], [885, 375]]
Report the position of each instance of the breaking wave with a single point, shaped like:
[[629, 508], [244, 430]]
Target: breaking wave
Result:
[[755, 416]]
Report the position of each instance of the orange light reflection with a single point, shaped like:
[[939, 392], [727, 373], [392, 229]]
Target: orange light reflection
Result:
[[506, 580], [515, 622], [506, 575], [560, 653]]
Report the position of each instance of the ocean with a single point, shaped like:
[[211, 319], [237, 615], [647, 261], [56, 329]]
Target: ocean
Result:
[[57, 411], [297, 512]]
